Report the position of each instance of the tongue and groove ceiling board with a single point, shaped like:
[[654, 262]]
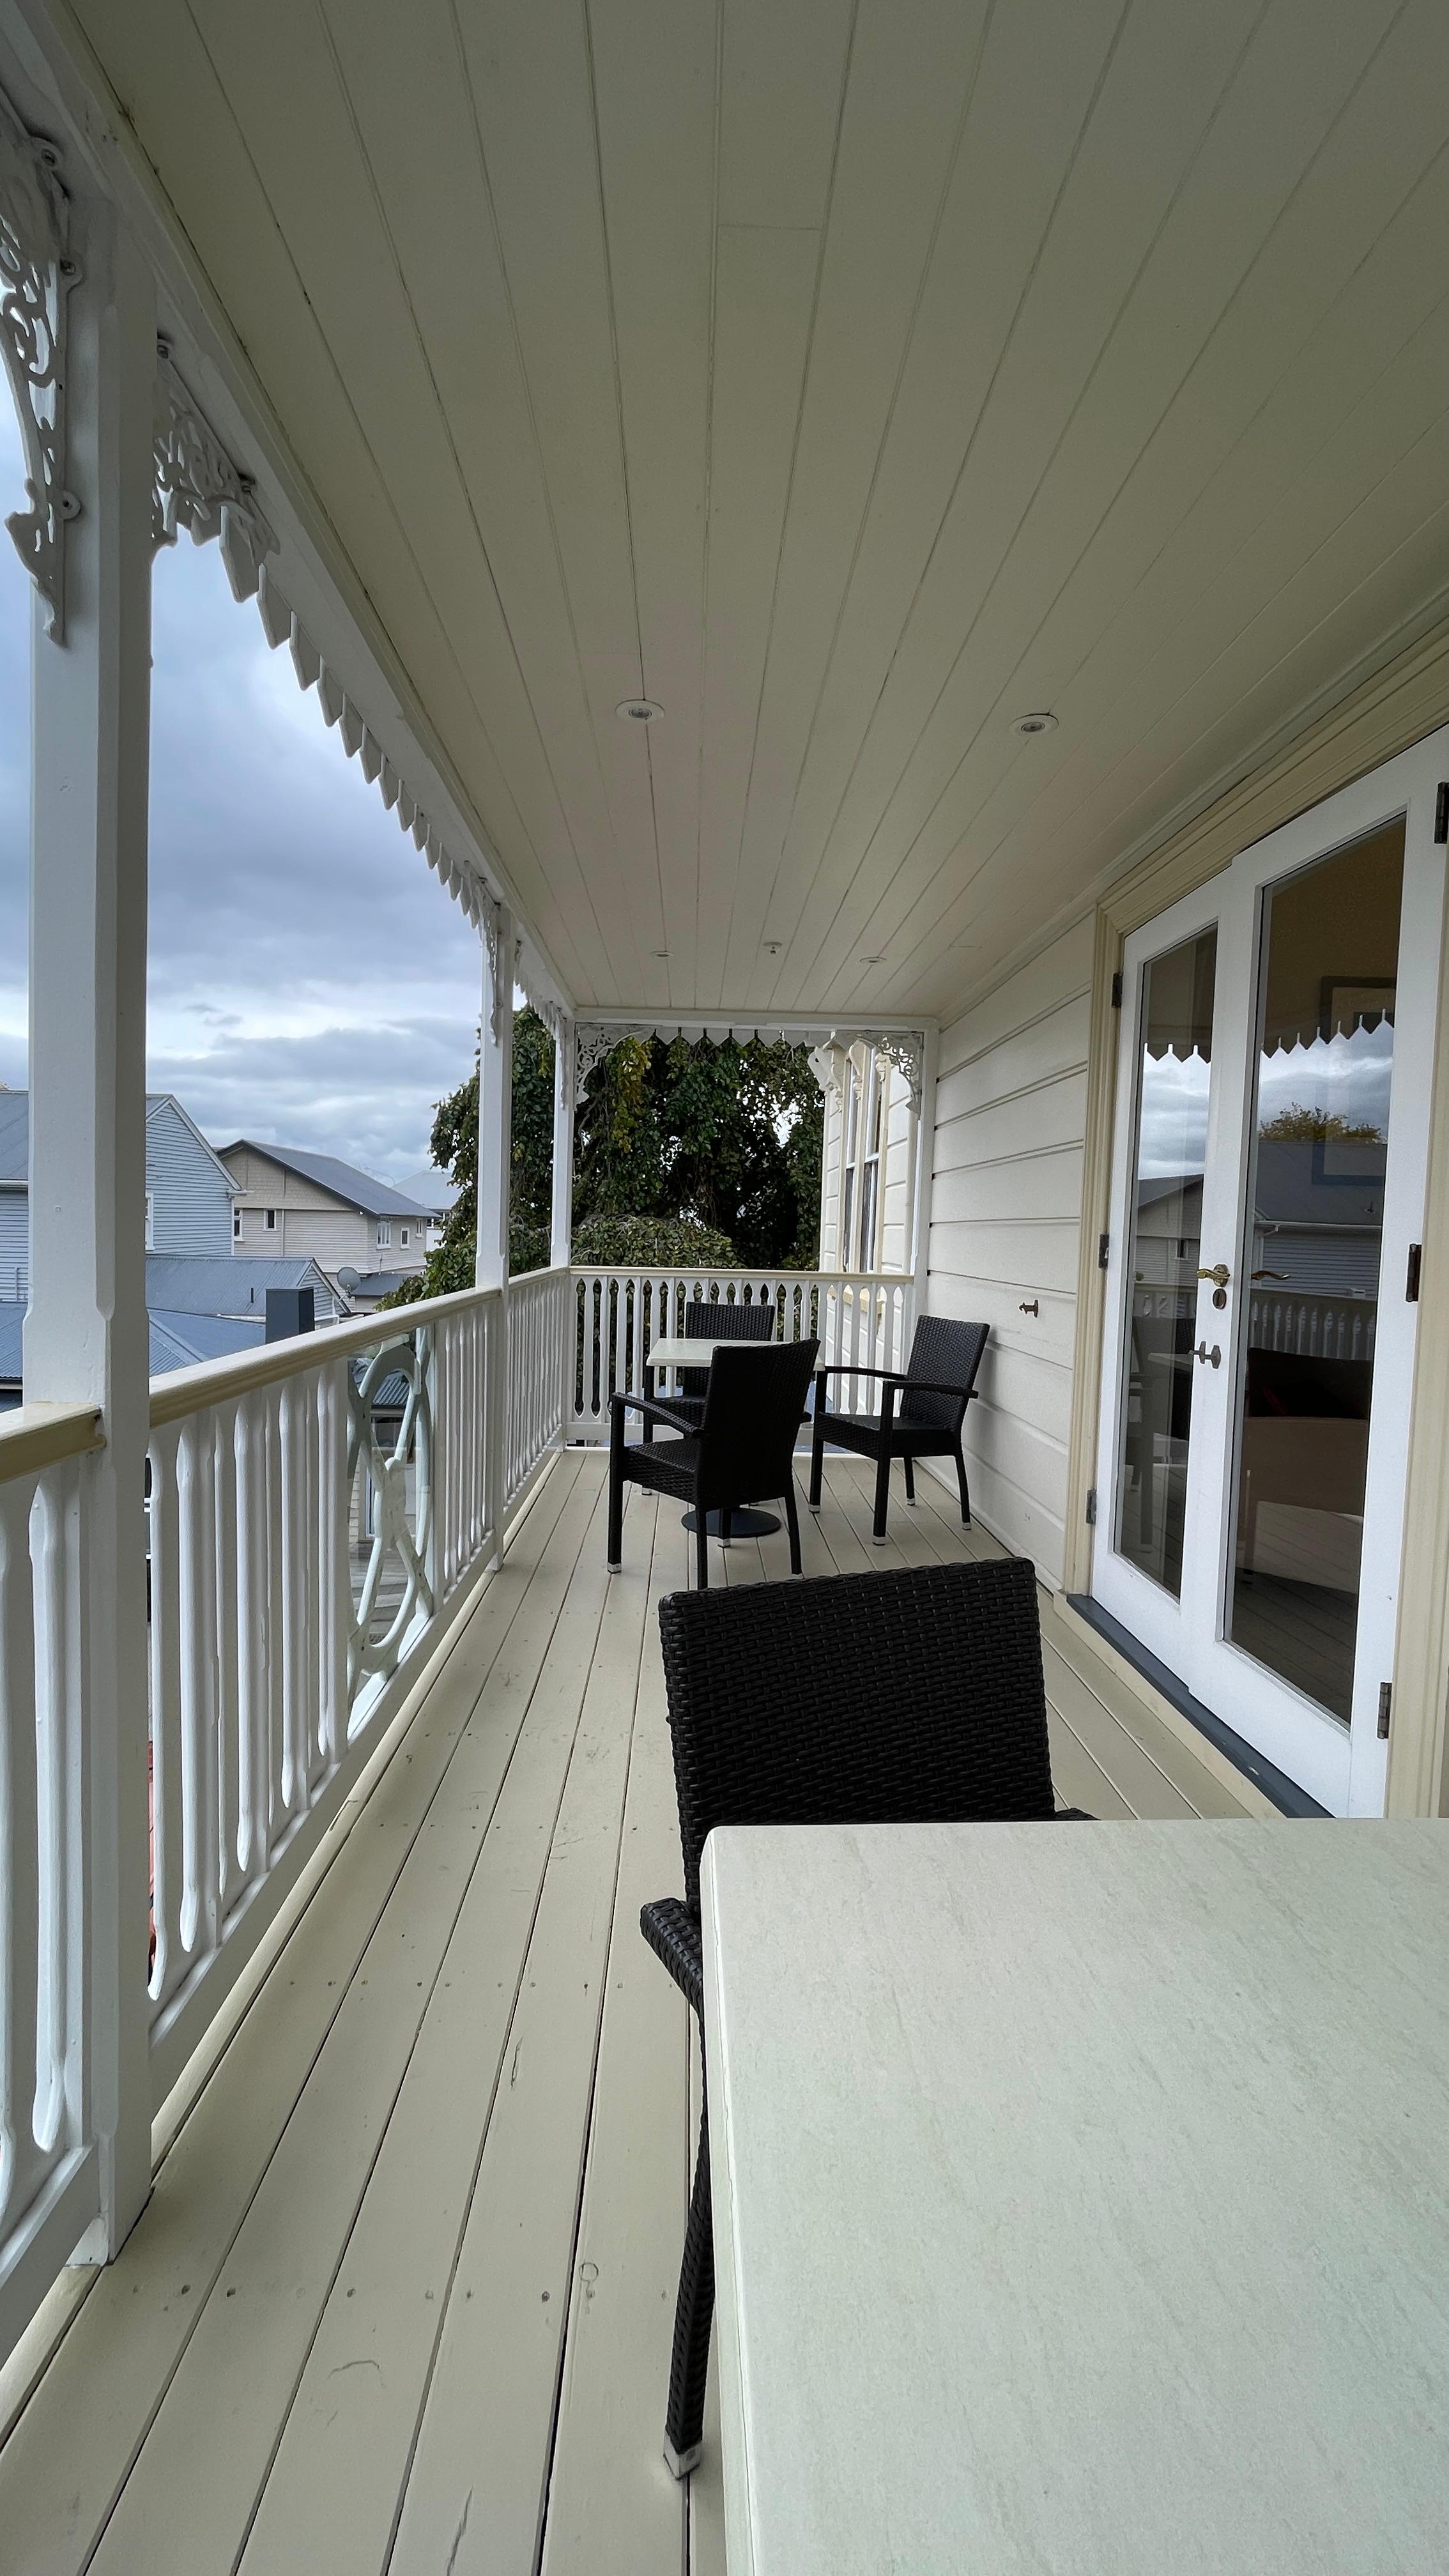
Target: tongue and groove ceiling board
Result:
[[850, 377]]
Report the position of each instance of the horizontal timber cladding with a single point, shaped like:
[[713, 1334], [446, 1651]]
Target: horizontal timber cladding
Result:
[[1005, 1225]]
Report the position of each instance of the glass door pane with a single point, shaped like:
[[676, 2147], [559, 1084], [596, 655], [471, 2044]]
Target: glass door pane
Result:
[[1163, 1252], [1318, 1151]]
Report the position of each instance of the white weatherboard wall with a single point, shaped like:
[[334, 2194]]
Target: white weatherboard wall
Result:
[[1006, 1202]]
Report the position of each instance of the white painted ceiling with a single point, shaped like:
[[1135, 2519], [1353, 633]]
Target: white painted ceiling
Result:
[[851, 377]]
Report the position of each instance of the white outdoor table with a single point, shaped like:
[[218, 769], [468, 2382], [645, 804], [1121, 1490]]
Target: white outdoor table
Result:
[[1081, 2197], [672, 1351]]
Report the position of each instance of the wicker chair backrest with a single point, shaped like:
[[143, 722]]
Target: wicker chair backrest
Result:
[[857, 1699], [949, 1354], [714, 1319], [753, 1407]]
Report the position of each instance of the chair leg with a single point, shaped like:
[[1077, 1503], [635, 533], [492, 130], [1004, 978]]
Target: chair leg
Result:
[[961, 1481], [693, 2317], [792, 1524], [817, 1462], [909, 1467], [882, 1493], [614, 1552], [701, 1550]]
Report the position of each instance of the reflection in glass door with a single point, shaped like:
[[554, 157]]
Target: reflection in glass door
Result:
[[1324, 1055], [1275, 1070], [1165, 1231]]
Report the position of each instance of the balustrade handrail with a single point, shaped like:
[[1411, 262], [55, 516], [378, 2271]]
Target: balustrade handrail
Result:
[[183, 1391], [35, 1436]]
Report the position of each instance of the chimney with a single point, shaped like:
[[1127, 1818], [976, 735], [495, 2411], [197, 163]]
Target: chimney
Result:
[[289, 1311]]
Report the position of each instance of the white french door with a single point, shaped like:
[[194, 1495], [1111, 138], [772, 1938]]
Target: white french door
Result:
[[1275, 1069]]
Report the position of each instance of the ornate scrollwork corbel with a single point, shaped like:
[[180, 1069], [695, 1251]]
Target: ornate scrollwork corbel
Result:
[[198, 487], [37, 273]]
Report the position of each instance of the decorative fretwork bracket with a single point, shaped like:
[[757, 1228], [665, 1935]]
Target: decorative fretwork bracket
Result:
[[904, 1048], [37, 273], [594, 1039], [198, 487]]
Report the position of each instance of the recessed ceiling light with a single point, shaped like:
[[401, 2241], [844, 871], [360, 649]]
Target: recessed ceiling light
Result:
[[661, 952], [1041, 722], [878, 959], [772, 947], [638, 710]]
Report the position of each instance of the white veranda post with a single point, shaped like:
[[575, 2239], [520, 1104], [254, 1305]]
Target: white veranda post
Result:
[[86, 1334], [564, 1060], [495, 1159]]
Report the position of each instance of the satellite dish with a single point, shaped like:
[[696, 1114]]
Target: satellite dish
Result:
[[349, 1281]]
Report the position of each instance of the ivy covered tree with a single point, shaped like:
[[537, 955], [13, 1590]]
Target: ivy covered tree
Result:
[[682, 1153]]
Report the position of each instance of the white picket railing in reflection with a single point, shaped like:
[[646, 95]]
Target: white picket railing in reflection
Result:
[[864, 1318]]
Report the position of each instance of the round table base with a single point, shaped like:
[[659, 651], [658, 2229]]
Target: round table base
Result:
[[743, 1523]]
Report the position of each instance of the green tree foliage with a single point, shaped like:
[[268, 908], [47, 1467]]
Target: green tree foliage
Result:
[[728, 1134], [702, 1152], [1299, 1125]]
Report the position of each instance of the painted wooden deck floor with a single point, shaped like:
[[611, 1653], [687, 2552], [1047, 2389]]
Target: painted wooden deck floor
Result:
[[403, 2294]]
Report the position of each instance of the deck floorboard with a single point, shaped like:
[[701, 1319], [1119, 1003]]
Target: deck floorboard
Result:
[[403, 2296]]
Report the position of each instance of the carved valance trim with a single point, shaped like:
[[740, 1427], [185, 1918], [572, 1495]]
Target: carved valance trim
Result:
[[903, 1048]]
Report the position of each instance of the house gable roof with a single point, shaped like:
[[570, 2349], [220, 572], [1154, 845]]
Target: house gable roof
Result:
[[15, 1136], [355, 1189]]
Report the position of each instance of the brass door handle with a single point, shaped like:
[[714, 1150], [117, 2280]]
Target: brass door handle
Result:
[[1219, 1274]]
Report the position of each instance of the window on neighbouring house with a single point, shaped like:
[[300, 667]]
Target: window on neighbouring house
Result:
[[150, 1222], [384, 1232], [271, 1220], [404, 1237], [236, 1225]]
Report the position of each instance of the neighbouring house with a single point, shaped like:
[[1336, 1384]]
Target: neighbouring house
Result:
[[288, 1201], [434, 1191], [189, 1191]]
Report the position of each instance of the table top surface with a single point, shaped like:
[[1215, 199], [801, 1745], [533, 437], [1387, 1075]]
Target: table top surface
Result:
[[1081, 2197], [673, 1351]]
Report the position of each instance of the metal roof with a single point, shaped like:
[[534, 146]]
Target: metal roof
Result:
[[221, 1283], [177, 1340], [344, 1180]]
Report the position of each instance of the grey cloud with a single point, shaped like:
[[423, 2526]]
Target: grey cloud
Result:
[[308, 976]]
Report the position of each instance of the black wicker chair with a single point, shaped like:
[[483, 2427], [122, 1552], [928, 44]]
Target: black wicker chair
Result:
[[741, 1451], [847, 1699], [934, 1389], [711, 1320]]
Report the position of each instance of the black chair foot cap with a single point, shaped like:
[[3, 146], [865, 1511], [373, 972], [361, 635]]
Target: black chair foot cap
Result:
[[679, 2463], [876, 1542], [614, 1565]]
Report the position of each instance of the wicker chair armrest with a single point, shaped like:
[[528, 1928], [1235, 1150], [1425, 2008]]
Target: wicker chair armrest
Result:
[[674, 1935], [927, 1385], [852, 1368], [656, 1411]]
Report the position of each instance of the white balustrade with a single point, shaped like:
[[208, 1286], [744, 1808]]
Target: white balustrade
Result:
[[314, 1509], [539, 1308], [857, 1317], [48, 2184]]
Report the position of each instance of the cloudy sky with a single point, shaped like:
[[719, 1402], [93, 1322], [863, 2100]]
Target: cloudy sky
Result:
[[310, 980]]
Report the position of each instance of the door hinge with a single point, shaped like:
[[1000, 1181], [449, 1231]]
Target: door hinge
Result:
[[1411, 1282], [1441, 811], [1104, 1246], [1091, 1507], [1117, 990], [1386, 1701]]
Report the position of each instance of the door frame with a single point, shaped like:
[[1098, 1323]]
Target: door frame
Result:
[[1378, 718]]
